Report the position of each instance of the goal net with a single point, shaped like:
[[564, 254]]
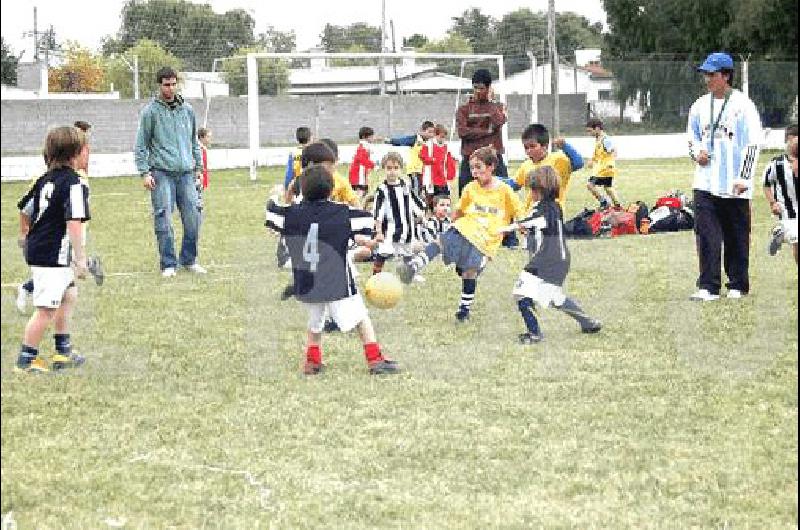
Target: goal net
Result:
[[335, 94]]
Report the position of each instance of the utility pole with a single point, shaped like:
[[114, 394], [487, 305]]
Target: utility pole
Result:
[[381, 73], [534, 94], [394, 63], [554, 69], [35, 38]]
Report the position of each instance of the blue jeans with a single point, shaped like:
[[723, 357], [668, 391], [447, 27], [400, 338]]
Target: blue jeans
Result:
[[174, 188]]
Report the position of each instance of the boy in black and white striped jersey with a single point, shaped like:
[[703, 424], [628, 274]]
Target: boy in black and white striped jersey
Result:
[[397, 211], [780, 189], [438, 223]]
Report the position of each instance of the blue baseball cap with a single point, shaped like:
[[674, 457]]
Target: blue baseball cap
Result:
[[716, 62]]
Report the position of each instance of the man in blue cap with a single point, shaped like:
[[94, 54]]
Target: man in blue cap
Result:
[[724, 140]]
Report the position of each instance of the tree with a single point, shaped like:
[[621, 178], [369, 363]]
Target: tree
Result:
[[277, 41], [191, 32], [273, 75], [653, 48], [341, 38], [151, 57], [477, 29], [415, 41], [523, 30], [8, 62], [452, 43], [82, 71]]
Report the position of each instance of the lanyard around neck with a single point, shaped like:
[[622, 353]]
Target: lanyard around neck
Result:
[[715, 123]]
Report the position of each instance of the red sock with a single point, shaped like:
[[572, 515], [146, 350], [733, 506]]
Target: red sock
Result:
[[372, 351], [314, 355]]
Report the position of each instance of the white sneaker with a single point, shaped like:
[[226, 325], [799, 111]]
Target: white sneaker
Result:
[[22, 299], [735, 294], [169, 272], [704, 296], [419, 278], [196, 268]]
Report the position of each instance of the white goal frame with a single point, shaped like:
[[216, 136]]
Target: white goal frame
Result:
[[253, 121]]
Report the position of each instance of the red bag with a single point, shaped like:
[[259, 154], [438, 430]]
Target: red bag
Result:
[[595, 222], [623, 223], [672, 202]]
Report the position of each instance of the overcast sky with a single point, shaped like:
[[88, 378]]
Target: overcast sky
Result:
[[89, 21]]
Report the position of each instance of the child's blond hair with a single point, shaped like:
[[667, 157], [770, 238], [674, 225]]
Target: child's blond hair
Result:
[[546, 181], [62, 144]]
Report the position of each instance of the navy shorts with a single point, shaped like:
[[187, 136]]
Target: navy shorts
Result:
[[606, 182], [457, 249]]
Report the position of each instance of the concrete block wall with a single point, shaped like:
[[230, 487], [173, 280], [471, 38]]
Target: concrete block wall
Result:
[[114, 122]]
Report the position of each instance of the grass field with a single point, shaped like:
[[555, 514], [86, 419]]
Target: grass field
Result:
[[191, 412]]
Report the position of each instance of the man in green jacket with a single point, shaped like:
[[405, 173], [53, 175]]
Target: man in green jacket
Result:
[[168, 159]]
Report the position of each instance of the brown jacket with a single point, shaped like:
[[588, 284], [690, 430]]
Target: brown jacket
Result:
[[480, 123]]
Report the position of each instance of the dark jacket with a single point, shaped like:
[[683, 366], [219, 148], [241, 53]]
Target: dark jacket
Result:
[[480, 123]]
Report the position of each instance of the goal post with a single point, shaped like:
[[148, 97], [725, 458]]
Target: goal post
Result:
[[253, 121]]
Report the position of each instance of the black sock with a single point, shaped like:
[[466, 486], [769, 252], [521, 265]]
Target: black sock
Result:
[[572, 308], [26, 355], [63, 346], [526, 309], [421, 259], [468, 288]]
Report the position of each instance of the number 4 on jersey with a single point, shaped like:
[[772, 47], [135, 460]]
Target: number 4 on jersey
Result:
[[311, 247]]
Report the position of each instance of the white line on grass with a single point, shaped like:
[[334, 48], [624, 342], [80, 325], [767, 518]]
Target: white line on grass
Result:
[[264, 493]]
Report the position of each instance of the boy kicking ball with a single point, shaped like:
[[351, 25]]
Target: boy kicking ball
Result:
[[317, 232], [542, 279], [485, 206]]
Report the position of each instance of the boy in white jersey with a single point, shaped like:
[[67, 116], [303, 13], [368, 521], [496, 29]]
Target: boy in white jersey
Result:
[[724, 131]]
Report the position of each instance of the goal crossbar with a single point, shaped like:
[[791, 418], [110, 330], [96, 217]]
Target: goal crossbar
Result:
[[252, 83]]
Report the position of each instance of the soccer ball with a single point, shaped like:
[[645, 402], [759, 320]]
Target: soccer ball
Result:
[[383, 290]]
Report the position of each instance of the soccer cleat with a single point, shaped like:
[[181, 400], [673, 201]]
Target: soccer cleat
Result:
[[310, 368], [703, 295], [604, 203], [60, 361], [734, 294], [383, 366], [287, 292], [95, 267], [196, 268], [36, 366], [22, 298], [169, 272], [776, 241], [419, 278], [591, 326], [462, 315], [530, 338], [405, 270]]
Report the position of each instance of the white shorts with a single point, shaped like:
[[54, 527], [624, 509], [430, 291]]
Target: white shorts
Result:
[[50, 284], [347, 313], [538, 290], [789, 230], [387, 249]]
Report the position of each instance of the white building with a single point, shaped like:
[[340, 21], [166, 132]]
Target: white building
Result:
[[194, 84], [591, 79]]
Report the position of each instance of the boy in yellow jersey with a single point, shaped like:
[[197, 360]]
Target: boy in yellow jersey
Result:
[[536, 140], [603, 164], [293, 164], [475, 235]]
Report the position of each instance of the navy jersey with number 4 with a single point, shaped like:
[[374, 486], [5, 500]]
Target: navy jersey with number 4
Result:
[[57, 196], [317, 235], [549, 256]]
